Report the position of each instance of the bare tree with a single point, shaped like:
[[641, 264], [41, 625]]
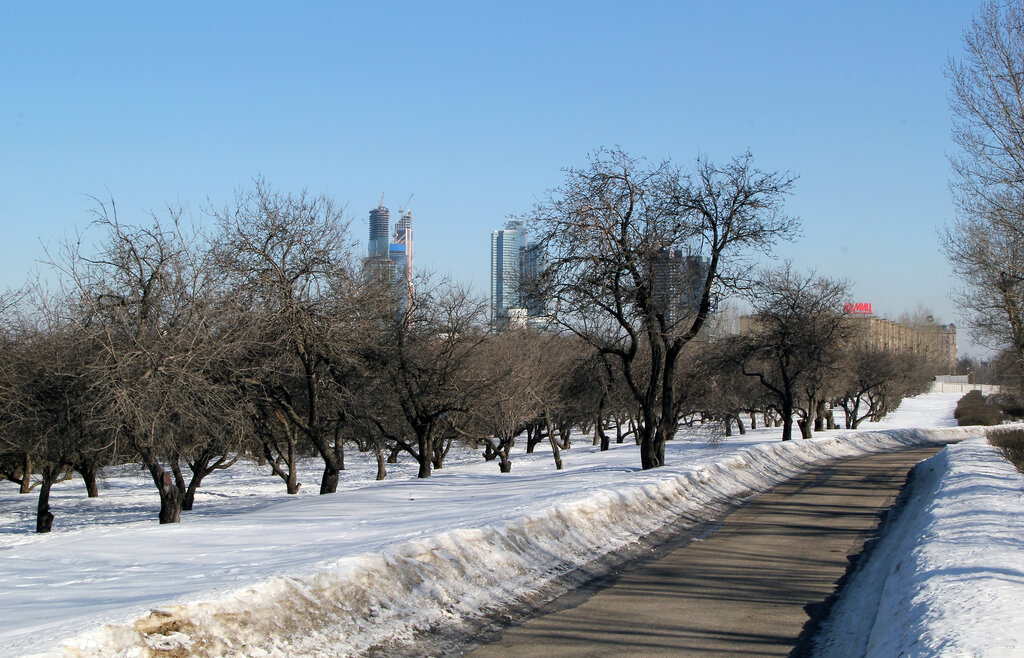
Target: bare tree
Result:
[[418, 365], [509, 363], [288, 258], [145, 298], [794, 340], [985, 244], [47, 401], [867, 371], [637, 253]]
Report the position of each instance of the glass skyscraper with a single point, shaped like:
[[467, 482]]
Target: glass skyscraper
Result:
[[505, 272], [515, 267]]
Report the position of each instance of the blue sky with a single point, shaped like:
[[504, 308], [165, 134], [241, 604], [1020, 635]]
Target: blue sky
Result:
[[476, 107]]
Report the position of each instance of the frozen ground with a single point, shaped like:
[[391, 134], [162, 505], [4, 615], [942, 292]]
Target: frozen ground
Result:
[[253, 571]]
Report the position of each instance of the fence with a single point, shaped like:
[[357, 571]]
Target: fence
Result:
[[946, 387]]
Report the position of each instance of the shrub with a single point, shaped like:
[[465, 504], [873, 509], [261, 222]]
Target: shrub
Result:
[[972, 409], [1011, 405], [1011, 444]]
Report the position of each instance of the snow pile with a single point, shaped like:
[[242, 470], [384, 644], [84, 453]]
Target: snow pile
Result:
[[454, 579], [254, 571], [946, 578]]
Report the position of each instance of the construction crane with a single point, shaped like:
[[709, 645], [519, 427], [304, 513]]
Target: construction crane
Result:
[[405, 206]]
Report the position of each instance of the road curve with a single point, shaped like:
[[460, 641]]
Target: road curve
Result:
[[742, 591]]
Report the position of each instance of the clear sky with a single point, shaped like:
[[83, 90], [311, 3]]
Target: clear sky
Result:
[[475, 107]]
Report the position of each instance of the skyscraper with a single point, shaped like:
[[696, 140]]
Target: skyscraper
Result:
[[505, 273], [380, 221], [515, 267], [679, 283], [400, 252]]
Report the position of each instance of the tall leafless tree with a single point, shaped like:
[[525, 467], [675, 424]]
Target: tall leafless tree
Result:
[[608, 231], [985, 243]]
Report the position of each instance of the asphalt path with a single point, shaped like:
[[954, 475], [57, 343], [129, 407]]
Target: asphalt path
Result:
[[744, 590]]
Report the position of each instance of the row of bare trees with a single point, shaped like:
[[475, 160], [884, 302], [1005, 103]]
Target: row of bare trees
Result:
[[184, 351], [264, 337]]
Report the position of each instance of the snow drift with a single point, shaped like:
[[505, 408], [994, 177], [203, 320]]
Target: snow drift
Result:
[[945, 579], [453, 581]]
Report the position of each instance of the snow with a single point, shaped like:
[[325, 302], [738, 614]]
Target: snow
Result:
[[947, 578], [378, 565]]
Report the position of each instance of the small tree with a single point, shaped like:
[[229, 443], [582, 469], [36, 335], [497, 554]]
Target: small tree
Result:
[[287, 257], [146, 299], [792, 344], [418, 369]]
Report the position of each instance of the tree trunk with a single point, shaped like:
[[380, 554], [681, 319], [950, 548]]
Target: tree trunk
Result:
[[378, 452], [504, 463], [555, 451], [787, 420], [393, 455], [87, 470], [820, 416], [809, 420], [179, 479], [292, 483], [753, 420], [739, 425], [329, 481], [441, 451], [426, 446], [170, 495], [189, 499], [26, 474], [728, 425], [565, 434], [651, 454], [44, 517], [289, 473], [199, 471], [652, 444]]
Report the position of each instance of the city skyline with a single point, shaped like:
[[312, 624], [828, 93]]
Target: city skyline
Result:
[[161, 106]]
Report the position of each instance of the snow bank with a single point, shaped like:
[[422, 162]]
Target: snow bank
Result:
[[946, 578], [453, 580]]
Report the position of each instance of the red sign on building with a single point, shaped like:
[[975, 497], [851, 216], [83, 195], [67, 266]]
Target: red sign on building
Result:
[[860, 308]]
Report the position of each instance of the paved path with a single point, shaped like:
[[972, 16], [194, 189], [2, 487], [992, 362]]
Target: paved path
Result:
[[741, 591]]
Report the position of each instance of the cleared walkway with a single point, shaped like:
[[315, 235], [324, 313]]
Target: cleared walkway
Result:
[[742, 591]]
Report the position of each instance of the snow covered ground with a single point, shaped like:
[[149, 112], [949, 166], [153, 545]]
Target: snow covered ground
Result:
[[253, 571]]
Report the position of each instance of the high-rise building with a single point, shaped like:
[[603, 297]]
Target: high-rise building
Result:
[[679, 283], [380, 221], [515, 268], [505, 273], [400, 252]]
